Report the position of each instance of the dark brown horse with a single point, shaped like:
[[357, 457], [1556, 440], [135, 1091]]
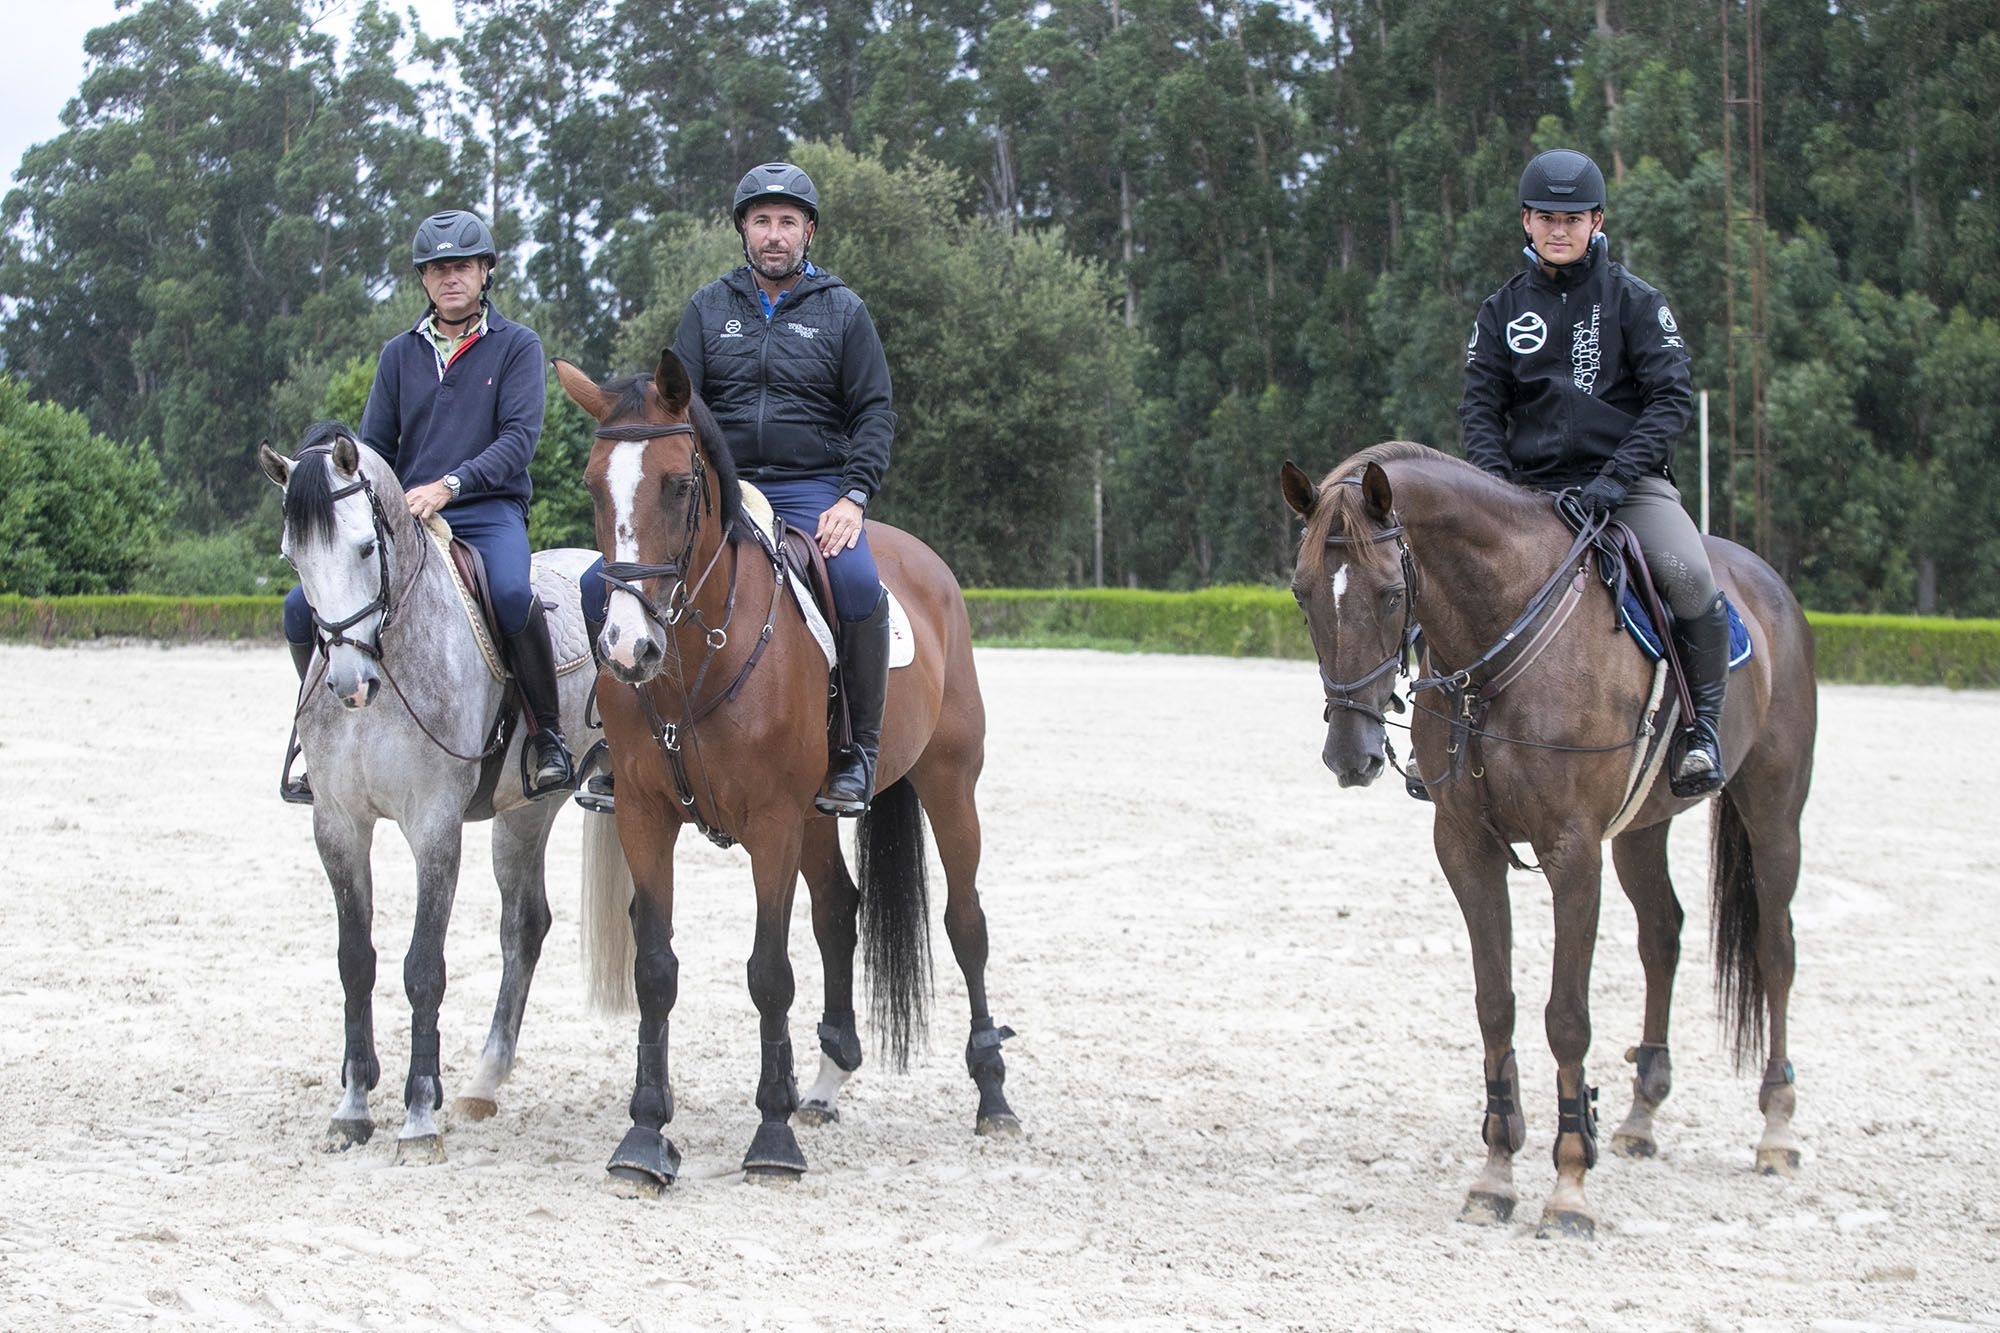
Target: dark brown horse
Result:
[[1529, 738], [715, 696]]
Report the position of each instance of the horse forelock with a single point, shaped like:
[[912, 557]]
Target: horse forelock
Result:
[[309, 511], [1342, 511], [636, 400]]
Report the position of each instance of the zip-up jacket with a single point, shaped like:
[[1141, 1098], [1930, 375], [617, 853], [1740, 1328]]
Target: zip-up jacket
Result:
[[1573, 376], [481, 418], [805, 394]]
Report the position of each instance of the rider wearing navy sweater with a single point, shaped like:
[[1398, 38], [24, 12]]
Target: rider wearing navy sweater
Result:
[[456, 408]]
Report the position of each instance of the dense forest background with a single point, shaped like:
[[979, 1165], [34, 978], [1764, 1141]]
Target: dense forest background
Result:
[[1125, 255]]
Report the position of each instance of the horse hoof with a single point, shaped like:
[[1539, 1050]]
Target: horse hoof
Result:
[[1778, 1162], [774, 1153], [475, 1108], [814, 1114], [1631, 1145], [998, 1127], [629, 1182], [344, 1134], [1485, 1209], [423, 1150], [1565, 1224]]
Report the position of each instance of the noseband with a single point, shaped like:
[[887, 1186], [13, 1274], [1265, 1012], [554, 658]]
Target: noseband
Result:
[[333, 633], [626, 575], [1340, 694]]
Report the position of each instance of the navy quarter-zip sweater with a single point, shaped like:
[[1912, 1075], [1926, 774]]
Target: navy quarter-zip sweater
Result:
[[481, 420], [1575, 374]]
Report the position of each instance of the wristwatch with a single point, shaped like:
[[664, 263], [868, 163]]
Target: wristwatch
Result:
[[859, 497], [452, 483]]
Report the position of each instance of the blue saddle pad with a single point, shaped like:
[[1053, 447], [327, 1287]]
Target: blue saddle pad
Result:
[[1640, 626]]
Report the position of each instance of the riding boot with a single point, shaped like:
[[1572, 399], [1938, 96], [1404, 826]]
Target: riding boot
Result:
[[1703, 642], [864, 674], [296, 790], [594, 790], [534, 663]]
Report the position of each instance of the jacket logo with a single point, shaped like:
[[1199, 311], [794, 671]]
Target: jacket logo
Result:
[[733, 329], [1584, 352], [807, 333], [1667, 321], [1527, 334]]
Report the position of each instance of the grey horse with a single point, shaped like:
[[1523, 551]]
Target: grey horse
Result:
[[389, 612]]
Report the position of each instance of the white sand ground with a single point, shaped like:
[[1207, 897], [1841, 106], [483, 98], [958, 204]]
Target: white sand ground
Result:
[[1248, 1065]]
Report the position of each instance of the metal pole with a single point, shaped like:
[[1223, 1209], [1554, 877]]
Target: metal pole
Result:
[[1704, 461]]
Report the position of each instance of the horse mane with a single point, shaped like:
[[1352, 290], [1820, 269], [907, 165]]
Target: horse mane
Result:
[[632, 402], [1343, 510], [309, 491]]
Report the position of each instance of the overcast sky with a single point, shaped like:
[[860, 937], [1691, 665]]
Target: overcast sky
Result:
[[41, 61]]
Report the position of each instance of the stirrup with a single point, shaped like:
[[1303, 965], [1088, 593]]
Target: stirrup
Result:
[[593, 781], [1704, 783], [294, 790], [563, 778], [829, 804]]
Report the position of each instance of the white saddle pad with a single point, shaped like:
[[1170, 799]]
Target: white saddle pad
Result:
[[902, 644]]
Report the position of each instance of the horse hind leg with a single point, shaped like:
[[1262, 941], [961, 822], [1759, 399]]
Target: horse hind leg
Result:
[[1756, 868], [520, 844], [954, 814], [835, 910], [1641, 860]]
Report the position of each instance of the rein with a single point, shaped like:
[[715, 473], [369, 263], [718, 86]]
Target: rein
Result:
[[333, 634], [625, 576]]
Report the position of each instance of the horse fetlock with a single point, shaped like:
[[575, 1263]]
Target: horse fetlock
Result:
[[1778, 1095], [1503, 1124], [1576, 1121], [839, 1041], [1655, 1076], [777, 1089]]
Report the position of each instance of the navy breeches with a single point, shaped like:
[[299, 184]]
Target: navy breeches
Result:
[[498, 530], [857, 586]]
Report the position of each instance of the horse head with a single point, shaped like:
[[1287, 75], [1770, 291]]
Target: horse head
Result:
[[1352, 580], [663, 491], [337, 535]]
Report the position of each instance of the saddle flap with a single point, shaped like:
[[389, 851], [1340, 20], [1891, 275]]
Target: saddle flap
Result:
[[471, 567], [803, 558]]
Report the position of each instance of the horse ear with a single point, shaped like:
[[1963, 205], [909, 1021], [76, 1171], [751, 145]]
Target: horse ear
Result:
[[276, 466], [582, 390], [346, 455], [671, 380], [1298, 489], [1375, 490]]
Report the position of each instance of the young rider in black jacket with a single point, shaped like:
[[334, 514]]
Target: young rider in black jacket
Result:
[[1576, 375]]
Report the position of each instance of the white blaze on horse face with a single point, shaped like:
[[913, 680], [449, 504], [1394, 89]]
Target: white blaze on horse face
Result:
[[1339, 587], [626, 625]]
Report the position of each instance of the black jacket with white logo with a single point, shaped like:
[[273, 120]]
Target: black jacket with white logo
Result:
[[805, 395], [1574, 375]]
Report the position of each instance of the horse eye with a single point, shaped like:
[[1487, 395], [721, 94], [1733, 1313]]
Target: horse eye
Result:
[[368, 548]]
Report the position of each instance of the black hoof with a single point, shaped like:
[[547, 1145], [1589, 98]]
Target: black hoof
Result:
[[774, 1153], [423, 1150], [1564, 1224], [646, 1162], [1002, 1126], [814, 1114], [1631, 1145], [1486, 1209], [344, 1134]]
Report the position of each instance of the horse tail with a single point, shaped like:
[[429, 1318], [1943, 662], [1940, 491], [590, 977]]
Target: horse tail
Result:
[[895, 917], [1733, 916], [608, 951]]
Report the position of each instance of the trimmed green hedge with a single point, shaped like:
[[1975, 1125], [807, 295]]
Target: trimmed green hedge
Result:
[[48, 619], [1224, 622]]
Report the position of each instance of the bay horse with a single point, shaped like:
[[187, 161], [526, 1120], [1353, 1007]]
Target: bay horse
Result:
[[714, 695], [1524, 732], [387, 611]]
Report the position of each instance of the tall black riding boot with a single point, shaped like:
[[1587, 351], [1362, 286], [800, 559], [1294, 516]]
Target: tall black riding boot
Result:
[[1703, 642], [594, 791], [297, 790], [545, 761], [864, 674]]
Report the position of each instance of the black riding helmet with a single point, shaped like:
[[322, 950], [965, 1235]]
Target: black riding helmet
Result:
[[776, 181], [452, 234], [1562, 180]]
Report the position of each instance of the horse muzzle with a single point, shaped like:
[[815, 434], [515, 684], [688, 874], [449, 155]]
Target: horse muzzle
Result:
[[1354, 765], [633, 659], [353, 683]]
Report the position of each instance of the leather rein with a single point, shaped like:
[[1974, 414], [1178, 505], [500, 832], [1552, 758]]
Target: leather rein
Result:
[[626, 576], [331, 634]]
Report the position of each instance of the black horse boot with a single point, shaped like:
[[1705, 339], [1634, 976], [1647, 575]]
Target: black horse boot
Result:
[[297, 790], [594, 791], [548, 770], [864, 674], [1703, 642]]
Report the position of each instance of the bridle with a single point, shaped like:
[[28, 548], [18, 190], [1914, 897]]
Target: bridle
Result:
[[627, 575], [333, 633], [1340, 694]]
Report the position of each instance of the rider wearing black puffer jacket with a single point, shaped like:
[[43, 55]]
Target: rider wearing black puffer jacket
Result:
[[1576, 375]]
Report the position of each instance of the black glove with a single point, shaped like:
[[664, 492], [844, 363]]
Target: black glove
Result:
[[1602, 496]]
